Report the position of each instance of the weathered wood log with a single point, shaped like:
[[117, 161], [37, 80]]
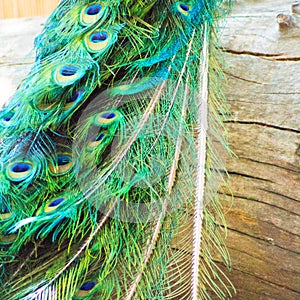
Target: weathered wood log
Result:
[[16, 55], [26, 8], [263, 65]]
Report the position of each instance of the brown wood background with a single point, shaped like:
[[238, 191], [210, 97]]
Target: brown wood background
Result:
[[263, 91], [26, 8]]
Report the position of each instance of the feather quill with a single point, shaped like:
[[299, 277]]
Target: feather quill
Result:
[[201, 158], [108, 182]]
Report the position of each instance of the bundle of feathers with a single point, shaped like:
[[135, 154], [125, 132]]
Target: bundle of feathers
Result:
[[110, 156]]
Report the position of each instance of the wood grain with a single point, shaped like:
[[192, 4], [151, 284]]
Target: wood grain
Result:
[[26, 8], [263, 63], [16, 54]]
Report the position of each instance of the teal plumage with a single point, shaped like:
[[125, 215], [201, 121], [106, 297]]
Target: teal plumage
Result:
[[108, 174]]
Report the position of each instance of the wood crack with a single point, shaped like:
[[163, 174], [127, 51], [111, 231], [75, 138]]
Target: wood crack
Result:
[[261, 202], [249, 176], [264, 125], [265, 280], [270, 164], [265, 240], [270, 56], [279, 194], [241, 78], [251, 53]]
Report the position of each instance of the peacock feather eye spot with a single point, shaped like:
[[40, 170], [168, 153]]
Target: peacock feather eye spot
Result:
[[99, 137], [62, 164], [74, 99], [93, 9], [7, 118], [91, 13], [63, 160], [44, 107], [97, 41], [74, 96], [98, 37], [20, 170], [88, 286], [21, 167], [5, 213], [67, 74], [52, 205], [99, 140], [68, 70], [184, 7], [56, 202], [5, 210], [108, 116]]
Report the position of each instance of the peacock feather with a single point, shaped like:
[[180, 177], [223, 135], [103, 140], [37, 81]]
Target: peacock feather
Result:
[[111, 156]]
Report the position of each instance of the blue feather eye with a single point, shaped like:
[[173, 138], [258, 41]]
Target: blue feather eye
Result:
[[7, 118], [68, 70], [51, 205], [56, 202], [76, 97], [184, 9], [86, 289], [106, 118], [88, 286], [5, 214], [21, 168], [108, 115], [62, 164], [100, 139], [99, 37], [68, 74], [91, 13], [20, 171], [93, 9], [97, 41]]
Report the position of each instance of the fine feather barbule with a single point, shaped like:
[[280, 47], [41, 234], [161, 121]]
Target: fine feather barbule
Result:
[[110, 157]]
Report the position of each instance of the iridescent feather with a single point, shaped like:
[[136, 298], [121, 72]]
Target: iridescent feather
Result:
[[109, 156]]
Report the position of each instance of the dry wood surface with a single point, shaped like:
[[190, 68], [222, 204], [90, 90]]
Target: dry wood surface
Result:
[[263, 92], [26, 8]]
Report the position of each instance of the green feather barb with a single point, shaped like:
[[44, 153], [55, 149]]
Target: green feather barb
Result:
[[110, 157]]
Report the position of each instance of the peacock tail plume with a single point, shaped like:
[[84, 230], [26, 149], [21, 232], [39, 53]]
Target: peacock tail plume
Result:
[[111, 156]]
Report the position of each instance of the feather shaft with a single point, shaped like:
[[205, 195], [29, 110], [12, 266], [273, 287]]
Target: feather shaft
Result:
[[201, 158], [171, 180]]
